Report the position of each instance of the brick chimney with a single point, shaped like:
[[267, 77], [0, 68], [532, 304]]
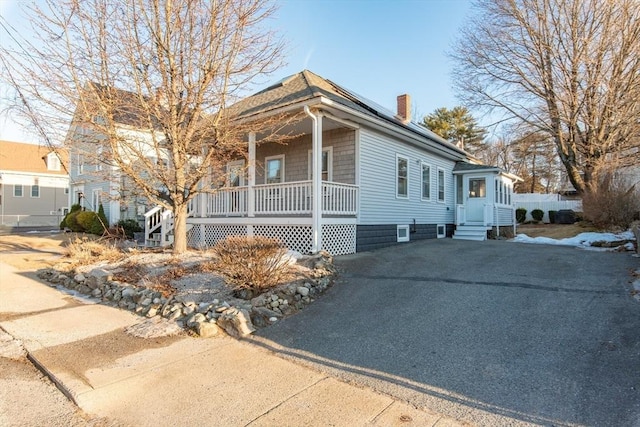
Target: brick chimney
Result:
[[404, 108]]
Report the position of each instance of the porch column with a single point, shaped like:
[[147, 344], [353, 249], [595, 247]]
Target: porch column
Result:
[[316, 155], [251, 195]]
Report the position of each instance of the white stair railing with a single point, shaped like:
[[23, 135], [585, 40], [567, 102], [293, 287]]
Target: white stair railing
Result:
[[158, 223]]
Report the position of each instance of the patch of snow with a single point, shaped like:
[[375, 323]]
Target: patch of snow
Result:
[[77, 295], [582, 240]]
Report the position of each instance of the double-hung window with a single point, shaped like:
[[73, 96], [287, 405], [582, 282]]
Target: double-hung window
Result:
[[402, 177], [35, 190], [426, 182], [274, 169], [441, 185], [17, 190], [80, 164]]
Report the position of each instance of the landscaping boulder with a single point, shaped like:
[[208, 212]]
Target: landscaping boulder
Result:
[[206, 329], [236, 323]]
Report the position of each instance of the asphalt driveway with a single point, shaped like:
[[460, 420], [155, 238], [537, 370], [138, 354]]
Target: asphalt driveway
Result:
[[493, 332]]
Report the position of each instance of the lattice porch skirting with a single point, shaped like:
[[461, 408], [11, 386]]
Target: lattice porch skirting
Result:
[[337, 239]]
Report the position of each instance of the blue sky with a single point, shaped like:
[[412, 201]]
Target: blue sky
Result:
[[376, 48], [379, 49]]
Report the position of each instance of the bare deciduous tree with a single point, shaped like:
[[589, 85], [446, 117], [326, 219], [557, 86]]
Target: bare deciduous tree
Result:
[[568, 68], [146, 84]]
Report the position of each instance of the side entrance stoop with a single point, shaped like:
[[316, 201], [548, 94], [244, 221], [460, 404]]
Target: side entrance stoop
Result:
[[470, 232]]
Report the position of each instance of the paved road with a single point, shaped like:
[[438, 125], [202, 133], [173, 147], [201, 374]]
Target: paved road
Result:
[[490, 332]]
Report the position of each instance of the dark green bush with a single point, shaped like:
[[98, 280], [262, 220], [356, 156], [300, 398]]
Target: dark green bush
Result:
[[72, 222], [537, 214], [552, 216], [129, 226], [521, 215], [99, 223], [84, 220], [74, 210]]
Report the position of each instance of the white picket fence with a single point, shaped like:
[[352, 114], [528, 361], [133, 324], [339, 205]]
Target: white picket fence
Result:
[[545, 203]]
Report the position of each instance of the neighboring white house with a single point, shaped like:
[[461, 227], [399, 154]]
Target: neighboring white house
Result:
[[34, 185], [381, 179]]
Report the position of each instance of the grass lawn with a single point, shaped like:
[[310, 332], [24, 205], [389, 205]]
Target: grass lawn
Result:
[[555, 231]]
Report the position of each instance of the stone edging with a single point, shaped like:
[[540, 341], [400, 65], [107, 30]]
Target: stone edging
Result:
[[205, 318]]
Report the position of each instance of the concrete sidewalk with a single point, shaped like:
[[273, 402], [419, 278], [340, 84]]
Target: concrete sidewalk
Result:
[[179, 380]]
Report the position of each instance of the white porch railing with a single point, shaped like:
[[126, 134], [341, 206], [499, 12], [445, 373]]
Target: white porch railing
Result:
[[492, 215], [289, 198], [339, 199], [229, 201]]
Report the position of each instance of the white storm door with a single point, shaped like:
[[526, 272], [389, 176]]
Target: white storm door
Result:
[[475, 198]]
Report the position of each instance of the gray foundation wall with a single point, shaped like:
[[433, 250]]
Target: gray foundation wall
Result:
[[370, 237]]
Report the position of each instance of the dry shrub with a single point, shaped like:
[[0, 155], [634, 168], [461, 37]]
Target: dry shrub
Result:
[[252, 262], [85, 251], [611, 203]]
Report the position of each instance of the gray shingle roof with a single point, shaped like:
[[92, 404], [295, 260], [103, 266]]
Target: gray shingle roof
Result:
[[307, 85]]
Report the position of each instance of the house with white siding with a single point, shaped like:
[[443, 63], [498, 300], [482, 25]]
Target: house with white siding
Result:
[[34, 185], [381, 179]]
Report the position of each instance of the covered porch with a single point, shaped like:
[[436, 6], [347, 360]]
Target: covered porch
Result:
[[303, 192]]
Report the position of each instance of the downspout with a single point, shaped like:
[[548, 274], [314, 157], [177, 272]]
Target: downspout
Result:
[[497, 217], [316, 185]]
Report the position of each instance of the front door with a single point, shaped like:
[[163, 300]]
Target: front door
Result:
[[475, 198]]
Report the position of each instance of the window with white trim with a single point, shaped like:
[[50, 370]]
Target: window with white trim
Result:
[[403, 233], [274, 169], [327, 164], [99, 159], [426, 181], [80, 164], [95, 199], [53, 162], [441, 231], [35, 190], [402, 177], [441, 188], [17, 190], [236, 173]]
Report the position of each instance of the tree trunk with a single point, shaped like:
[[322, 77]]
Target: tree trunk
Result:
[[179, 228]]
